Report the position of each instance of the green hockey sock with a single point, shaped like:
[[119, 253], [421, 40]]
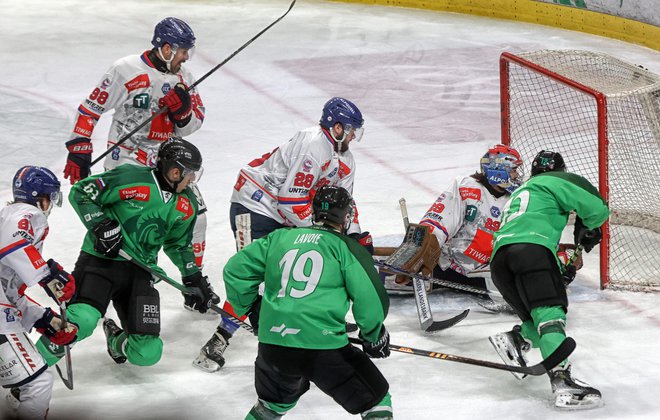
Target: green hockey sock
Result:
[[529, 332], [264, 410], [382, 410], [550, 322]]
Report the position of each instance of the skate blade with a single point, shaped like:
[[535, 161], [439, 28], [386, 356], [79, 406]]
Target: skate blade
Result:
[[568, 402], [206, 364], [500, 348]]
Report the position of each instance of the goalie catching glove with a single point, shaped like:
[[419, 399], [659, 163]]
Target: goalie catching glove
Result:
[[59, 285], [51, 326], [381, 348], [200, 295], [419, 252]]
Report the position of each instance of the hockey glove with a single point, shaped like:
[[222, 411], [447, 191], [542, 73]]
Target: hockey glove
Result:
[[365, 240], [381, 348], [59, 285], [108, 238], [51, 326], [179, 104], [201, 295], [569, 274], [253, 315], [79, 160], [588, 238]]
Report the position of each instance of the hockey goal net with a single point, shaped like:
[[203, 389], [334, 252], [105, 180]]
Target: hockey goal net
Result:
[[603, 115]]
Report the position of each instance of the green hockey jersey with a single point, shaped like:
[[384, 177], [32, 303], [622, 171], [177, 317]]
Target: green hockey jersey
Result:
[[150, 218], [310, 275], [537, 212]]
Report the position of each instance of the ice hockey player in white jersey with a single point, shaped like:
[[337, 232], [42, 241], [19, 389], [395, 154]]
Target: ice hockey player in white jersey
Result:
[[23, 229], [135, 87], [467, 214], [276, 190]]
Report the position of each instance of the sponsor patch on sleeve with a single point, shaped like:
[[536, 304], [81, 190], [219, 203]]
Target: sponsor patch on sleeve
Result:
[[183, 205], [35, 257]]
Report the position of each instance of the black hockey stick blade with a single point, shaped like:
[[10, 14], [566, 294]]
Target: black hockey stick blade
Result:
[[450, 322], [561, 353]]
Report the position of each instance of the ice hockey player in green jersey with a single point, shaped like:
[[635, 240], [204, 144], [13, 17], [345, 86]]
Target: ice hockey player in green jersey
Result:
[[139, 210], [527, 272], [311, 275]]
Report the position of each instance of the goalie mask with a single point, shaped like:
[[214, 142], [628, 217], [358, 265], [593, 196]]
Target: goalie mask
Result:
[[333, 204], [502, 167], [547, 161]]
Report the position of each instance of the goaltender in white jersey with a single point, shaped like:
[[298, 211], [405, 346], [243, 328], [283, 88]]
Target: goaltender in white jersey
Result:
[[23, 229]]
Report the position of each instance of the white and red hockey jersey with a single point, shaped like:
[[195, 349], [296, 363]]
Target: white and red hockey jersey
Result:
[[23, 228], [464, 219], [134, 89], [281, 184]]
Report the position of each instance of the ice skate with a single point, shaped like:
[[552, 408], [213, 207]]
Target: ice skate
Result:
[[571, 393], [211, 357], [112, 332], [511, 346]]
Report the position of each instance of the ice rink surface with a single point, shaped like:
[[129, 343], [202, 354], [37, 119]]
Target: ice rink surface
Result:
[[428, 86]]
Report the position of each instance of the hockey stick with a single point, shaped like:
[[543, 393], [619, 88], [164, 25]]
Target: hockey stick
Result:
[[210, 72], [560, 354], [68, 381], [424, 313], [184, 289]]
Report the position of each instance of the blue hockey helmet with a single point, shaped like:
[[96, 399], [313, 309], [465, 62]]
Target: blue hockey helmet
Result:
[[547, 161], [32, 182], [502, 167], [345, 112], [175, 32]]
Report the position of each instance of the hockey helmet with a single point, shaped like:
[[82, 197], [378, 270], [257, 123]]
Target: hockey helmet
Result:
[[345, 112], [502, 167], [333, 204], [33, 182], [175, 32], [180, 153], [547, 161]]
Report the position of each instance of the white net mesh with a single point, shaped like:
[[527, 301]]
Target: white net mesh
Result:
[[547, 112]]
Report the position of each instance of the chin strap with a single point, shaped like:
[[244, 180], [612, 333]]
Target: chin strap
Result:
[[167, 62]]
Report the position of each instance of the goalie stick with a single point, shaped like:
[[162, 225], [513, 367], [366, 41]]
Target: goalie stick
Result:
[[184, 289], [210, 72], [424, 313], [560, 354]]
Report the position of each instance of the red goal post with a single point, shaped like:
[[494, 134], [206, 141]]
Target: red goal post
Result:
[[603, 115]]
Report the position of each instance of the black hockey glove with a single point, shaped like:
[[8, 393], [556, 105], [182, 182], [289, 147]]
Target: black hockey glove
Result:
[[569, 274], [365, 240], [59, 285], [179, 105], [588, 238], [79, 160], [108, 238], [253, 315], [381, 348], [201, 294]]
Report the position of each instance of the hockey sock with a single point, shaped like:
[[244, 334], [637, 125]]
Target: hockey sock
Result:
[[382, 410], [264, 410], [141, 350], [530, 333], [550, 321]]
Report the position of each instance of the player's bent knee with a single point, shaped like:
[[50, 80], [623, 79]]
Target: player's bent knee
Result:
[[143, 350], [85, 316]]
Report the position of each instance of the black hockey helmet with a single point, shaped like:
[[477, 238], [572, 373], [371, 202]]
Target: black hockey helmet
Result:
[[547, 161], [180, 153], [333, 204]]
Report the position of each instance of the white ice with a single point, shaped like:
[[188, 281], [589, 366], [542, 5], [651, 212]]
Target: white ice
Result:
[[427, 84]]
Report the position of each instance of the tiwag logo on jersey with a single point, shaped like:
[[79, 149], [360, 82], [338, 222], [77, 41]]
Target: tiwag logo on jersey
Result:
[[139, 193], [183, 205], [138, 82], [35, 257]]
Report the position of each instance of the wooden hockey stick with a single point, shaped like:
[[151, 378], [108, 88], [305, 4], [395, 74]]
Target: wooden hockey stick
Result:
[[424, 312], [560, 354], [68, 381], [162, 110]]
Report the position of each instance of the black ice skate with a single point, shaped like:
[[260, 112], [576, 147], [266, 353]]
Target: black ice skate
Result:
[[571, 393], [511, 346], [211, 357], [114, 341]]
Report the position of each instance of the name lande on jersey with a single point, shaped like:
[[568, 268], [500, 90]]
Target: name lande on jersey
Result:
[[308, 238]]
